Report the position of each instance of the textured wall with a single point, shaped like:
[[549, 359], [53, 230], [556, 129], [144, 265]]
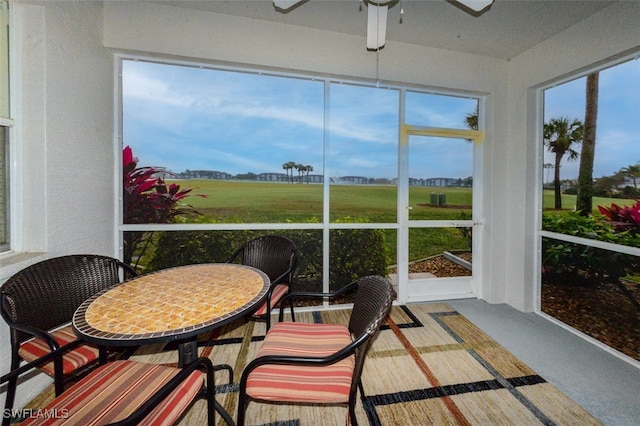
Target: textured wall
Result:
[[65, 120]]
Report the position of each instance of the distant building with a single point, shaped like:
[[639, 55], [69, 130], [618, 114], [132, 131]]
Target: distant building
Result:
[[313, 179], [358, 180], [273, 177], [444, 182], [204, 174]]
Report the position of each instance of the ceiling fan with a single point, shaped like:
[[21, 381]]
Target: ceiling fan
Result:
[[377, 15]]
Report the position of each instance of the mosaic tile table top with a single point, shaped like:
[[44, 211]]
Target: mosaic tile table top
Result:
[[170, 304]]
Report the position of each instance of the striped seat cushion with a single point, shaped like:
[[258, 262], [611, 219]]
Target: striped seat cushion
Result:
[[278, 292], [71, 361], [319, 384], [115, 390]]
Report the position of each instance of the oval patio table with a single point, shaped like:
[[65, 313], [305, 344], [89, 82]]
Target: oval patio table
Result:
[[175, 304]]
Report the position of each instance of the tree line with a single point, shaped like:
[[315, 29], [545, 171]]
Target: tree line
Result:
[[615, 185], [303, 170]]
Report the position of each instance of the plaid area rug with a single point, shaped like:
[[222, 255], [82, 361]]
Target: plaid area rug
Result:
[[428, 366]]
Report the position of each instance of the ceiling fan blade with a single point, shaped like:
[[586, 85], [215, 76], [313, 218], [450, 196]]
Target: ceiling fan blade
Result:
[[285, 6], [477, 5], [376, 26]]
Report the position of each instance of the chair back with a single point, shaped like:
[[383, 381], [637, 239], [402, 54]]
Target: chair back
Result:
[[46, 294], [370, 309], [272, 254]]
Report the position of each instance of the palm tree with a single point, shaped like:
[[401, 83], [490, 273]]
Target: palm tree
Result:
[[300, 168], [632, 172], [471, 120], [584, 199], [288, 166], [308, 169], [560, 135]]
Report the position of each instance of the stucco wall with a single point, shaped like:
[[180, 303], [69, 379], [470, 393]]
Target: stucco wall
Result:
[[65, 122], [611, 33]]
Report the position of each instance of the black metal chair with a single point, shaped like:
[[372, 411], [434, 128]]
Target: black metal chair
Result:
[[275, 256], [317, 363], [38, 304]]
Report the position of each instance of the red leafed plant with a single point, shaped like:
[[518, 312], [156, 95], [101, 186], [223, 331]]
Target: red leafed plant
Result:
[[626, 218], [147, 198]]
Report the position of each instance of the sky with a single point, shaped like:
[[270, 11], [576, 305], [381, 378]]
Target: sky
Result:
[[183, 117], [618, 124]]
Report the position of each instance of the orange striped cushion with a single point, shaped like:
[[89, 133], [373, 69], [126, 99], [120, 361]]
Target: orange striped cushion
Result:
[[71, 361], [114, 391], [321, 384], [278, 291]]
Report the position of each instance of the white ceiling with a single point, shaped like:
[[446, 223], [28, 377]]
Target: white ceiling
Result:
[[508, 28]]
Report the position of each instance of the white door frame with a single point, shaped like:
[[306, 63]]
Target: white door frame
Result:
[[427, 289]]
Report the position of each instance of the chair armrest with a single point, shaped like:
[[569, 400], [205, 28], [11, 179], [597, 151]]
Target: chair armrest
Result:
[[129, 271], [281, 278], [42, 360], [310, 294], [288, 272], [277, 281], [36, 332], [165, 390], [25, 328]]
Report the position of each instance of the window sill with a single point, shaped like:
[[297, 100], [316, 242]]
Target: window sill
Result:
[[12, 262]]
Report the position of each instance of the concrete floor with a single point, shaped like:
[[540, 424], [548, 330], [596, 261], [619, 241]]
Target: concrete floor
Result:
[[605, 385]]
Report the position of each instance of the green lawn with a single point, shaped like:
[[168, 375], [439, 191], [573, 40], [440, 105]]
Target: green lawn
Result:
[[569, 201], [267, 202], [283, 202], [255, 201]]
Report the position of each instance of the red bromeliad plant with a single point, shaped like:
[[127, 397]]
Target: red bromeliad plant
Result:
[[626, 218], [147, 198]]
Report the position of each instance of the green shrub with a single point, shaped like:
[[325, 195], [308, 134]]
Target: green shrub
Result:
[[188, 247], [467, 233], [565, 261], [353, 252]]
